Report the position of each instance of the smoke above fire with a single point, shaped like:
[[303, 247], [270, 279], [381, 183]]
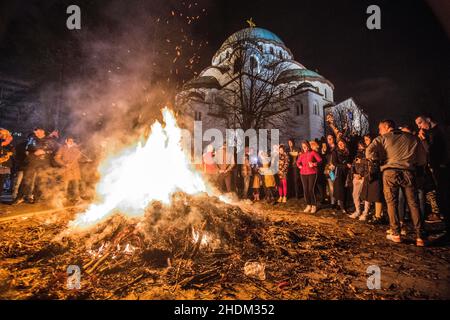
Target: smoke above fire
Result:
[[109, 80]]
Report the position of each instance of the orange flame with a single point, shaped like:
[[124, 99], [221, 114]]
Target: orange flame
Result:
[[147, 172]]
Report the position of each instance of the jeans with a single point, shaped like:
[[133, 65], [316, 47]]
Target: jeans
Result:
[[393, 180], [2, 182], [330, 190], [309, 187], [17, 182], [357, 190], [402, 204]]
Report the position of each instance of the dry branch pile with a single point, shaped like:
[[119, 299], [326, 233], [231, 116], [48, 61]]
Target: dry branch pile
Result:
[[195, 248]]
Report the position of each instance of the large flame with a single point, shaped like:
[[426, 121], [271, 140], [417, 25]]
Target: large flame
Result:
[[150, 171]]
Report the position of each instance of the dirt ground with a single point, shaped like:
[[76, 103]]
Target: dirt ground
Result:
[[328, 258]]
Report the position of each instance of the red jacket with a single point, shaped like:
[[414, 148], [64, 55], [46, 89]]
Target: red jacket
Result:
[[304, 159]]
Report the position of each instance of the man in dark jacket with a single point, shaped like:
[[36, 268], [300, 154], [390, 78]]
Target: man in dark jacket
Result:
[[19, 165], [40, 150], [399, 154], [435, 142]]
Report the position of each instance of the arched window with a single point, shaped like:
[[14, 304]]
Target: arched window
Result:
[[237, 65], [271, 50], [197, 116], [326, 93], [280, 54], [301, 108], [253, 64], [298, 110]]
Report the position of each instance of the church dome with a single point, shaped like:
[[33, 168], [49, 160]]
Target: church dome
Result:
[[256, 34]]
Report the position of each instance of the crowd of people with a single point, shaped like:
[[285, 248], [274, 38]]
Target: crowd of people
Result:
[[41, 166], [397, 172], [398, 167]]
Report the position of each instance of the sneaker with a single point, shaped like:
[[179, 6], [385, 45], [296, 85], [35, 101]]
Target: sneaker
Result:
[[355, 215], [279, 199], [307, 209], [433, 218], [284, 200], [313, 209], [363, 217], [394, 238], [420, 242]]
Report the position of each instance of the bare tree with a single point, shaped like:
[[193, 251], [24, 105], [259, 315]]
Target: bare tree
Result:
[[251, 99]]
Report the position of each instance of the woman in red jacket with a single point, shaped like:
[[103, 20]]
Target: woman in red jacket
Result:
[[307, 163]]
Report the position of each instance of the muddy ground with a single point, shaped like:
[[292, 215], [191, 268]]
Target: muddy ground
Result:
[[307, 256]]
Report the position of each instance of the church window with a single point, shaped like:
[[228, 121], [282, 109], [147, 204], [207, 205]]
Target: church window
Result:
[[301, 108], [298, 110], [197, 116], [228, 54], [280, 54], [237, 65], [253, 63], [326, 94], [271, 50]]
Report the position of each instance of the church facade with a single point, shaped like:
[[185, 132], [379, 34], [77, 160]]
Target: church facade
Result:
[[254, 82]]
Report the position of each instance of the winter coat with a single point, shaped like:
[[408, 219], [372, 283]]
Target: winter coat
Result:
[[68, 158], [283, 165], [340, 159], [303, 161]]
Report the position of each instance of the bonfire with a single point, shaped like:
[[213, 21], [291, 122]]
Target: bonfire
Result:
[[153, 210]]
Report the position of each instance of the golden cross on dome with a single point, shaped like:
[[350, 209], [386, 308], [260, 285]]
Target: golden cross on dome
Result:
[[251, 23]]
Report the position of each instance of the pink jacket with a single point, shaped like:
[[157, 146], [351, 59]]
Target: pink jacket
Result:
[[303, 161]]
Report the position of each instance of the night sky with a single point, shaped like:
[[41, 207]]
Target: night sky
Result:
[[395, 72]]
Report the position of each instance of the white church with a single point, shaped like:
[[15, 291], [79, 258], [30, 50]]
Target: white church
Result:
[[301, 95]]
